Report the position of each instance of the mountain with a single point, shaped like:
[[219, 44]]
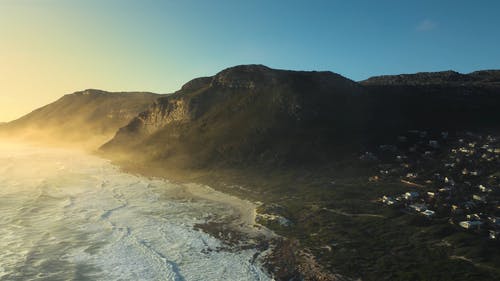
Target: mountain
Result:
[[247, 114], [449, 77], [445, 100], [87, 118], [292, 140], [252, 114]]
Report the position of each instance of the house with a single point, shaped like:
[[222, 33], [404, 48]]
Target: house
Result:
[[471, 224], [473, 217], [449, 181], [402, 138], [401, 157], [495, 221], [428, 213], [464, 150], [455, 209], [470, 205], [411, 195], [434, 144], [474, 173], [480, 198], [386, 198], [491, 138], [444, 190], [418, 207], [411, 175], [391, 202], [388, 147], [368, 156]]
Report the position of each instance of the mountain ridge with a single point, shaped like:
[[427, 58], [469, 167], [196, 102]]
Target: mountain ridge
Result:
[[240, 107], [435, 78], [280, 116], [84, 117], [265, 101]]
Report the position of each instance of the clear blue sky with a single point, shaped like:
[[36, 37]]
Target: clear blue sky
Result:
[[51, 47]]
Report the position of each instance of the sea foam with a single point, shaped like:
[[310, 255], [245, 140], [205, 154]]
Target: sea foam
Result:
[[71, 216]]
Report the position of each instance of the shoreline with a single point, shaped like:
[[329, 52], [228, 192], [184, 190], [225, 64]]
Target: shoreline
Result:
[[247, 210], [283, 258], [280, 257]]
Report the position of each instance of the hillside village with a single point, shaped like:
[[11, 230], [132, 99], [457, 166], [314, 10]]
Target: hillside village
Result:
[[453, 176]]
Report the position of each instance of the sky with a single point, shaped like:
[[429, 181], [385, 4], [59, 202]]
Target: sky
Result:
[[49, 48]]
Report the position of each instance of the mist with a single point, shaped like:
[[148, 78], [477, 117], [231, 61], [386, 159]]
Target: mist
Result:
[[69, 215]]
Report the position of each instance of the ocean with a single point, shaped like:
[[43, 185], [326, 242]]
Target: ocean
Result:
[[67, 215]]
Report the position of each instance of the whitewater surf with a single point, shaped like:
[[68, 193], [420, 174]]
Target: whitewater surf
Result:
[[66, 215]]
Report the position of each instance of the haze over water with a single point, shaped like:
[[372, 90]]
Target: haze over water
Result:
[[65, 215]]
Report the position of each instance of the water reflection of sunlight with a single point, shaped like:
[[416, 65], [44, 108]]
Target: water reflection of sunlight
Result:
[[66, 213]]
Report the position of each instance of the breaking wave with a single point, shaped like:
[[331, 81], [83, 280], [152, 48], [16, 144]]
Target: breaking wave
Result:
[[70, 216]]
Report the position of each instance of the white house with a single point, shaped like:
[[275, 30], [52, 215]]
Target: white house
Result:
[[428, 213], [470, 224], [411, 195], [418, 207], [434, 144], [478, 197]]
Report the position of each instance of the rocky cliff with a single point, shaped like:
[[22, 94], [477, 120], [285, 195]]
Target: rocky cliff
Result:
[[246, 113], [254, 114]]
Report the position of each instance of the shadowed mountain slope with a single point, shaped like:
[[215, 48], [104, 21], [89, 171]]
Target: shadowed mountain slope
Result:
[[434, 101], [246, 114], [442, 78], [253, 114]]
